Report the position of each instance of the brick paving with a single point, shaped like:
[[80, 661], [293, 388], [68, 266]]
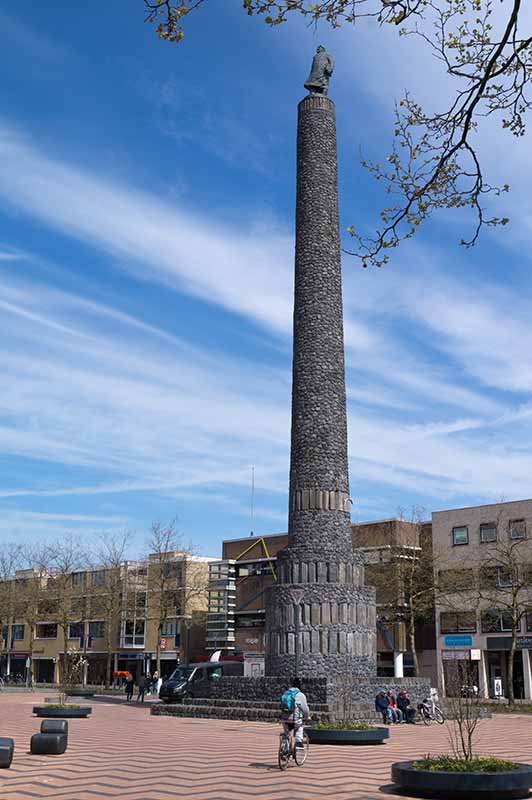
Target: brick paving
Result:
[[122, 752]]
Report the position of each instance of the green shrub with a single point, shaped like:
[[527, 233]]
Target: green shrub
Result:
[[452, 764], [62, 705]]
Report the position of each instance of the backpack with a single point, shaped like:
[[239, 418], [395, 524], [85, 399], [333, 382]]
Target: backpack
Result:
[[288, 701]]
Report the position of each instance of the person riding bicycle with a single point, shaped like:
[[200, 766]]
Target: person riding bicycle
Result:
[[294, 711]]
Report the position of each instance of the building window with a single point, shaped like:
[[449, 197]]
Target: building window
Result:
[[134, 633], [455, 580], [495, 577], [460, 535], [75, 630], [96, 630], [493, 620], [458, 622], [169, 628], [488, 532], [517, 529], [528, 618], [249, 621], [17, 633], [256, 568], [46, 630], [78, 579], [98, 577]]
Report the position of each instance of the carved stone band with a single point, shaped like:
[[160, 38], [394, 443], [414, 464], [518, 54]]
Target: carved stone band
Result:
[[319, 500]]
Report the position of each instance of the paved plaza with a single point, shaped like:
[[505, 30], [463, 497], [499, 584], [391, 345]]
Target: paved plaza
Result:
[[122, 752]]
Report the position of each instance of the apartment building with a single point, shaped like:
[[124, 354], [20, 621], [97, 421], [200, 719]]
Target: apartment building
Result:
[[483, 561], [238, 583], [122, 617]]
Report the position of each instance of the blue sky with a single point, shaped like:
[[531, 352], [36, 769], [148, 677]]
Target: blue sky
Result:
[[146, 259]]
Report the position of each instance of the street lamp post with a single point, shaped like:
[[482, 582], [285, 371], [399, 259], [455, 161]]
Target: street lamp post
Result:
[[296, 595], [187, 619]]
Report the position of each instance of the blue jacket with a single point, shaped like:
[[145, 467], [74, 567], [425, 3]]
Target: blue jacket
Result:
[[381, 702]]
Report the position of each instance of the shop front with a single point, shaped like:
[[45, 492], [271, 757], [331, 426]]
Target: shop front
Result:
[[43, 670], [497, 662]]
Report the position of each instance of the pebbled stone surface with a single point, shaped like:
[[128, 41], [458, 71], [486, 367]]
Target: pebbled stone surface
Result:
[[319, 559]]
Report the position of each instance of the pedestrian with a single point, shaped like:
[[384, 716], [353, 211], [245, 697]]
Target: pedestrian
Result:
[[129, 686], [397, 714], [154, 682], [403, 703], [142, 689]]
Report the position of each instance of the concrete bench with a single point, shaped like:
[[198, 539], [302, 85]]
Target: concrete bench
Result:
[[7, 748], [48, 744]]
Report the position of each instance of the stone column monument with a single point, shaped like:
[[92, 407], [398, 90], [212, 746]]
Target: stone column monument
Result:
[[320, 618]]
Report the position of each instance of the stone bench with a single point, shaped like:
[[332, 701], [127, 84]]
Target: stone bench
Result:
[[7, 748]]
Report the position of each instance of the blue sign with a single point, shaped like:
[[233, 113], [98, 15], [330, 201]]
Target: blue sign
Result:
[[458, 641]]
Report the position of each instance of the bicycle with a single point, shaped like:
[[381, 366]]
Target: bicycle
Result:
[[288, 749], [430, 712]]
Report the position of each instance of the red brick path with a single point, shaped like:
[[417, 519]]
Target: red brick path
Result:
[[122, 752]]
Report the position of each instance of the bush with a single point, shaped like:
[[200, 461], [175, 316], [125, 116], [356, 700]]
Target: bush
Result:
[[62, 705], [453, 764]]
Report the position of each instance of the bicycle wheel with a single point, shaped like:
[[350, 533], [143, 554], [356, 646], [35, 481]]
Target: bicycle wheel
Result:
[[283, 756], [301, 753], [438, 715], [425, 716]]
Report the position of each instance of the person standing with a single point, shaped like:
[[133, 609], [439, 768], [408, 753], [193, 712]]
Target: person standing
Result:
[[142, 689], [154, 682], [129, 686]]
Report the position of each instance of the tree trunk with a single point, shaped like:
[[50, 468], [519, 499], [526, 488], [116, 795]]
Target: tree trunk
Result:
[[513, 647], [108, 667], [158, 651], [412, 636]]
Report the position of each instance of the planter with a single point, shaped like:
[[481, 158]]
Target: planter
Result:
[[338, 736], [62, 713], [463, 785], [80, 693]]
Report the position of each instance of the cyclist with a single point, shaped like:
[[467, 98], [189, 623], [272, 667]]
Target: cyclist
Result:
[[294, 711]]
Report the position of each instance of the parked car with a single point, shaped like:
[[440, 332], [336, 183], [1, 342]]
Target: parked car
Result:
[[193, 680]]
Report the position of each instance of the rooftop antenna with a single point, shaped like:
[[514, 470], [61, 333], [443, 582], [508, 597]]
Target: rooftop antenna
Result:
[[252, 500]]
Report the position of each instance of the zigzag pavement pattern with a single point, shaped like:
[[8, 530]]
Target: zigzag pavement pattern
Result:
[[122, 752]]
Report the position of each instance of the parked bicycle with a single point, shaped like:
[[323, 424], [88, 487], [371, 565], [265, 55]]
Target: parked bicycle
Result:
[[288, 749], [430, 712]]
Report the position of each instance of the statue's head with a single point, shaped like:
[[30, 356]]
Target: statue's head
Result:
[[320, 49]]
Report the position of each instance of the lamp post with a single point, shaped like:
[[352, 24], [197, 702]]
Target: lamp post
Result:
[[296, 595], [187, 619]]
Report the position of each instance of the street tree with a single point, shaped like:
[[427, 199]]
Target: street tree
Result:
[[504, 588], [404, 578], [10, 561], [485, 48], [65, 600], [107, 591], [177, 581]]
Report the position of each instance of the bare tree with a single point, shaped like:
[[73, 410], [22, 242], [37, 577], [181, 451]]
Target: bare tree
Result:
[[405, 584], [31, 591], [175, 579], [107, 598], [434, 162], [504, 587], [10, 561], [464, 708], [66, 592]]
